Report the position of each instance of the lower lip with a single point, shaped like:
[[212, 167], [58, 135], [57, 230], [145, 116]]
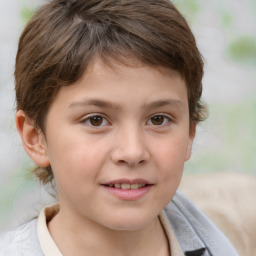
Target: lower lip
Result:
[[129, 194]]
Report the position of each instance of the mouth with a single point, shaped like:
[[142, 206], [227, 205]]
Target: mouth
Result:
[[126, 189], [127, 186]]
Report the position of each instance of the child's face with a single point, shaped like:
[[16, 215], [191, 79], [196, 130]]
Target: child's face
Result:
[[119, 126]]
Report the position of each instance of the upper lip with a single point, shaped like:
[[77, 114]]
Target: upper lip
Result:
[[128, 181]]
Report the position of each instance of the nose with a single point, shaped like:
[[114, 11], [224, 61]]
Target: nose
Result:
[[130, 148]]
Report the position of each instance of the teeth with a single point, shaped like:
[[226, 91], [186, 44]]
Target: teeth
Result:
[[134, 186], [127, 186]]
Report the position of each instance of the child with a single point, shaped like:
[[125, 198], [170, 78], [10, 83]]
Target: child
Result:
[[108, 99]]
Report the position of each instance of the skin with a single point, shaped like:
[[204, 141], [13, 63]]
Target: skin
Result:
[[141, 132]]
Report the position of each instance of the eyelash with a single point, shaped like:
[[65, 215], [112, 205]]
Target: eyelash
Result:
[[104, 121]]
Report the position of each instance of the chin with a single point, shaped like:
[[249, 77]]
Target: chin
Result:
[[130, 222]]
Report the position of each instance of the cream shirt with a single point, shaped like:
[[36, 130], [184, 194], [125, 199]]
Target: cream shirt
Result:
[[49, 247]]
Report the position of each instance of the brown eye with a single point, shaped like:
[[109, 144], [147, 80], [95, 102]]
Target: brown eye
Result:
[[157, 120], [96, 120]]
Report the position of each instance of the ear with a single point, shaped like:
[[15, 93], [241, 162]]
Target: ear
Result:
[[192, 134], [33, 139]]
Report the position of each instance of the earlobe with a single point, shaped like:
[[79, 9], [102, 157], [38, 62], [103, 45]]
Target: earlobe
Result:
[[33, 139], [192, 134]]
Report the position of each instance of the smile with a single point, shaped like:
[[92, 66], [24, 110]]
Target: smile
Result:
[[127, 186], [126, 189]]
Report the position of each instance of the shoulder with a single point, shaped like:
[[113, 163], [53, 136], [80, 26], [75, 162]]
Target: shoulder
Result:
[[227, 199], [194, 228], [21, 241]]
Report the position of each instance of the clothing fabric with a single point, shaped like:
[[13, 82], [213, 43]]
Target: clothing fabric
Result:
[[49, 247], [188, 230], [174, 245]]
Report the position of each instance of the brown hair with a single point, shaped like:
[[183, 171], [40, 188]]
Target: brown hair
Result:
[[61, 39]]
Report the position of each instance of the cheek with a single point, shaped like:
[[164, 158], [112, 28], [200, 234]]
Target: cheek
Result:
[[76, 159], [171, 154], [170, 163], [76, 169]]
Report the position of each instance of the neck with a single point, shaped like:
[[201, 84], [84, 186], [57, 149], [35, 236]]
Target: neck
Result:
[[90, 238]]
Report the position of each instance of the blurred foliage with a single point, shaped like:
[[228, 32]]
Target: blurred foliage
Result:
[[26, 13], [243, 48], [240, 47], [189, 8], [235, 129], [227, 18]]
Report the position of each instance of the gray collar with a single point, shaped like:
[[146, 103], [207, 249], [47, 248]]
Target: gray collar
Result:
[[190, 242], [196, 234]]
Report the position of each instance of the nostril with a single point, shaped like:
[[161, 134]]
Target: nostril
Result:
[[122, 162], [142, 162], [131, 163]]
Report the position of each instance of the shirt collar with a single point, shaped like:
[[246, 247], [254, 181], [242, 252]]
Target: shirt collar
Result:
[[188, 239], [49, 247], [174, 245], [190, 242], [47, 243]]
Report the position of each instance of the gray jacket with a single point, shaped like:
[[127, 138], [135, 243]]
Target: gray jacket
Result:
[[196, 234]]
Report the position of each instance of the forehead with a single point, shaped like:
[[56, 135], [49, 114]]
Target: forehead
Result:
[[117, 83], [128, 71], [126, 67]]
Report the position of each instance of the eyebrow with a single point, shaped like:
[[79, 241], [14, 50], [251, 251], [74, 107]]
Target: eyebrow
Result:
[[110, 105], [160, 103], [94, 102]]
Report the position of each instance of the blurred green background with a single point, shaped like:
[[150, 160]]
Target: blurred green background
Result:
[[226, 35]]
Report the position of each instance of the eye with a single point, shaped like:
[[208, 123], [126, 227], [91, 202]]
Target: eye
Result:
[[159, 120], [95, 120]]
